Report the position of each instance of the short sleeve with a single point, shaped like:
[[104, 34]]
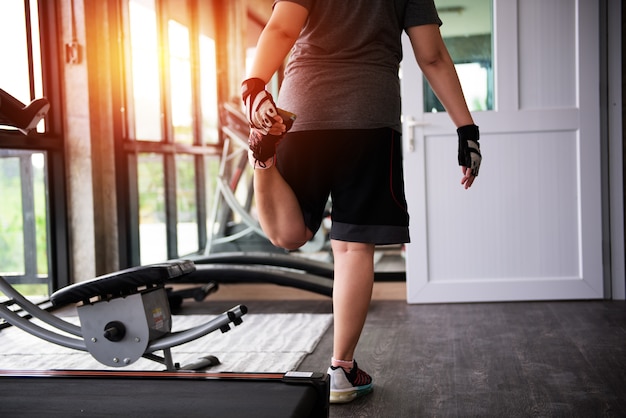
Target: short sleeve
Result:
[[421, 12], [304, 3]]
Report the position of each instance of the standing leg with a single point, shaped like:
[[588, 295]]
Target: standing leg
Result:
[[352, 292]]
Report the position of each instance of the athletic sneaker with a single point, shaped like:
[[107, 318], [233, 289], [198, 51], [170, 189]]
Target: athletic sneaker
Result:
[[32, 114], [263, 149], [347, 386]]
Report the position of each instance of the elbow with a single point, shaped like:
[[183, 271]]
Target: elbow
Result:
[[435, 60], [282, 34]]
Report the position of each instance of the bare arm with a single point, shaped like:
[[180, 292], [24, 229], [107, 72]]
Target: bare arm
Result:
[[433, 58], [277, 39]]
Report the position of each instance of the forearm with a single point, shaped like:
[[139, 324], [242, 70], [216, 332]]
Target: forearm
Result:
[[277, 39], [433, 58], [443, 79], [272, 48]]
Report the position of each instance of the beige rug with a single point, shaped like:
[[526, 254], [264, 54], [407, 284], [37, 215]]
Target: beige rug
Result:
[[262, 343]]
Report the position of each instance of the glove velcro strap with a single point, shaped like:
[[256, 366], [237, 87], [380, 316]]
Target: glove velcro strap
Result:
[[468, 133], [251, 86]]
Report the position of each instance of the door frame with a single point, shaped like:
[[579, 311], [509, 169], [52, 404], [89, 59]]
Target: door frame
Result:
[[614, 143]]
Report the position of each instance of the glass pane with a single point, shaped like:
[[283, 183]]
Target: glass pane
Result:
[[24, 216], [152, 230], [180, 80], [187, 226], [145, 102], [467, 32], [16, 76], [208, 71], [37, 79], [11, 221]]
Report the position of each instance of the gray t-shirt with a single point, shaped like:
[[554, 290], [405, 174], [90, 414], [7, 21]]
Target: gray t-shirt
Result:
[[343, 69]]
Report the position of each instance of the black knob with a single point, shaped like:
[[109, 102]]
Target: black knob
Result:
[[114, 331]]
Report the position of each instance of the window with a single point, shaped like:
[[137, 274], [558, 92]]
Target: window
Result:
[[21, 72], [33, 241], [24, 218], [171, 127], [145, 101], [466, 30]]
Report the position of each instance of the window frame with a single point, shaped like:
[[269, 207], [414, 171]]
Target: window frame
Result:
[[51, 143], [128, 149]]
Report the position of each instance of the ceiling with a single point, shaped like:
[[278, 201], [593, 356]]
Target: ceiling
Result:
[[474, 17]]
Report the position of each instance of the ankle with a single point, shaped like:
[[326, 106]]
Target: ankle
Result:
[[347, 365]]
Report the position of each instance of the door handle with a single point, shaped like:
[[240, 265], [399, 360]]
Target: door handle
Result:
[[410, 123]]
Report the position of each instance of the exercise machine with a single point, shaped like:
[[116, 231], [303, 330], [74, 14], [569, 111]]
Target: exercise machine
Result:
[[124, 316], [164, 394]]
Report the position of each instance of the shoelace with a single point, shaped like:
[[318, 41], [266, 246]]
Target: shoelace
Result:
[[358, 377]]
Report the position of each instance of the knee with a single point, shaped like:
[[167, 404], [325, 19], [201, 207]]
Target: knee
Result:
[[287, 244], [290, 241]]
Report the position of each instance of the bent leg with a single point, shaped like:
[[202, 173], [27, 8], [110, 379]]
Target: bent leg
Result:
[[279, 212], [352, 292]]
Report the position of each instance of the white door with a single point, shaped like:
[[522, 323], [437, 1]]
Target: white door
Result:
[[530, 227]]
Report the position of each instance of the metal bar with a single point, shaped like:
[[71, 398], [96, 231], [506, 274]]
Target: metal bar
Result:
[[171, 207], [28, 216], [36, 311], [169, 362], [175, 339], [29, 47], [45, 334]]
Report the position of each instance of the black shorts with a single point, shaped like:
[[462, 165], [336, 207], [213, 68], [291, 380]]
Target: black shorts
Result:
[[361, 171]]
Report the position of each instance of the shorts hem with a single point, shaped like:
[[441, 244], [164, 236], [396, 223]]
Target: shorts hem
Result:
[[371, 234]]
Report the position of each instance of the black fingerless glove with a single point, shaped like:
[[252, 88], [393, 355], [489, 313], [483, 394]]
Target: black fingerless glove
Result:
[[469, 149]]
